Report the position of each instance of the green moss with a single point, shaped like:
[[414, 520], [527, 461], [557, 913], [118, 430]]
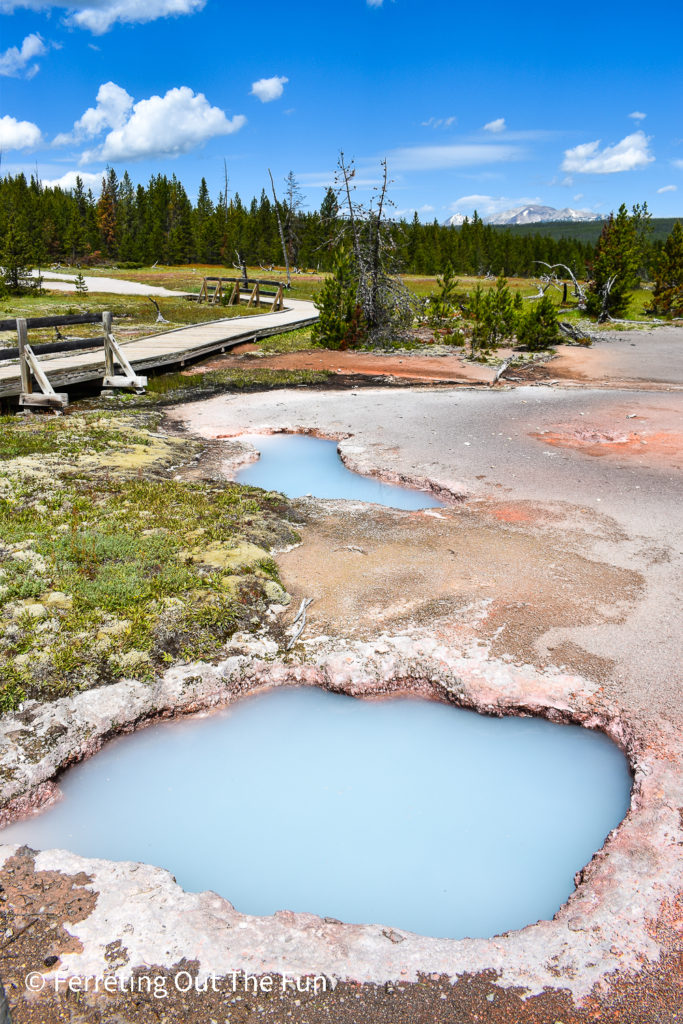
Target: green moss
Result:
[[184, 385], [117, 573]]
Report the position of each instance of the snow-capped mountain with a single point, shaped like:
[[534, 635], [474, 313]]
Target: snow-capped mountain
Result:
[[531, 215], [538, 214]]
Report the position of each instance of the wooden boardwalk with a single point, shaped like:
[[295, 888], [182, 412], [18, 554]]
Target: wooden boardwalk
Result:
[[172, 348]]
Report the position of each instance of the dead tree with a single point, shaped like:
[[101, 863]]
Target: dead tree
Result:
[[579, 293], [386, 304], [604, 299], [279, 227], [160, 318]]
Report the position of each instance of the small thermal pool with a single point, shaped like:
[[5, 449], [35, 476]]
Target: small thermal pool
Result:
[[403, 812], [297, 464]]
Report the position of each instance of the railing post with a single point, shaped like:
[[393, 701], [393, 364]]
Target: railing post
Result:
[[22, 341], [108, 354]]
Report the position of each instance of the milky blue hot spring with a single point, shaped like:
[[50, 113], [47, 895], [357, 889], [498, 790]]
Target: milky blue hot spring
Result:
[[411, 814], [297, 464]]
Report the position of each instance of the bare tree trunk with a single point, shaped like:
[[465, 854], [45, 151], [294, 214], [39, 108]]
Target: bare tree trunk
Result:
[[347, 172], [279, 227], [377, 242]]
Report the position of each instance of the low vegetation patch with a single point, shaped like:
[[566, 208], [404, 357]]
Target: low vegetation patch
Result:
[[187, 386], [134, 315], [109, 566]]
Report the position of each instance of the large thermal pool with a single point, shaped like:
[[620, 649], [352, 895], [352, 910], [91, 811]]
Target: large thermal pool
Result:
[[409, 813]]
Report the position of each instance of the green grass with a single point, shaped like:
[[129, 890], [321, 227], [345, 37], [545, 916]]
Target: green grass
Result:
[[134, 315], [55, 436], [184, 386], [148, 564], [292, 341]]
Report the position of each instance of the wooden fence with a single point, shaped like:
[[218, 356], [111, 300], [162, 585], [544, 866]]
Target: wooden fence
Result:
[[31, 369], [213, 292]]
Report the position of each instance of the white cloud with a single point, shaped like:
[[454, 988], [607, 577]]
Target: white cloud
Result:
[[18, 134], [678, 163], [439, 122], [638, 115], [165, 126], [628, 155], [99, 15], [495, 126], [113, 107], [268, 89], [430, 158], [14, 60], [426, 208], [579, 195], [667, 188], [489, 205], [68, 180], [375, 3]]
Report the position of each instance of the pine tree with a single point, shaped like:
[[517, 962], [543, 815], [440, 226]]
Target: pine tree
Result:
[[499, 313], [293, 205], [340, 324], [538, 329], [106, 212], [616, 267], [15, 256], [667, 298], [441, 304]]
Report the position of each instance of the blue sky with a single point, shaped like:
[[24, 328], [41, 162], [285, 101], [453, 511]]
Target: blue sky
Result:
[[474, 105]]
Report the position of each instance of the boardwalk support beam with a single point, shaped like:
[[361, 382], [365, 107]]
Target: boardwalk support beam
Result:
[[28, 364], [112, 354]]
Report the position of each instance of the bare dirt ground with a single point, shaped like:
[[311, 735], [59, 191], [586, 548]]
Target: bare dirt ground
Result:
[[498, 454], [619, 357], [364, 364], [651, 359]]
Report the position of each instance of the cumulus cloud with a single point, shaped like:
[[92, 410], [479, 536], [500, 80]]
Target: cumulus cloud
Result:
[[14, 61], [268, 89], [68, 180], [495, 126], [99, 15], [432, 158], [637, 115], [628, 155], [678, 163], [113, 107], [18, 134], [667, 188], [165, 125]]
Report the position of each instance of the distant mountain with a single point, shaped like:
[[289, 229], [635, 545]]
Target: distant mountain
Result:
[[531, 215]]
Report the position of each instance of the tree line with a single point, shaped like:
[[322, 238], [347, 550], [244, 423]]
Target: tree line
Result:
[[160, 223]]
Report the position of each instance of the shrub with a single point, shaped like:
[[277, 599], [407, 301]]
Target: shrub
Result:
[[537, 329], [340, 324], [667, 298]]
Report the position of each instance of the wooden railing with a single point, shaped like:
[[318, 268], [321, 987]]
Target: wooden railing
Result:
[[30, 368], [213, 292]]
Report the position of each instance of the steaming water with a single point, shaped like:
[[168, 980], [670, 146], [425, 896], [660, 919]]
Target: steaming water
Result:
[[409, 813], [296, 464]]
